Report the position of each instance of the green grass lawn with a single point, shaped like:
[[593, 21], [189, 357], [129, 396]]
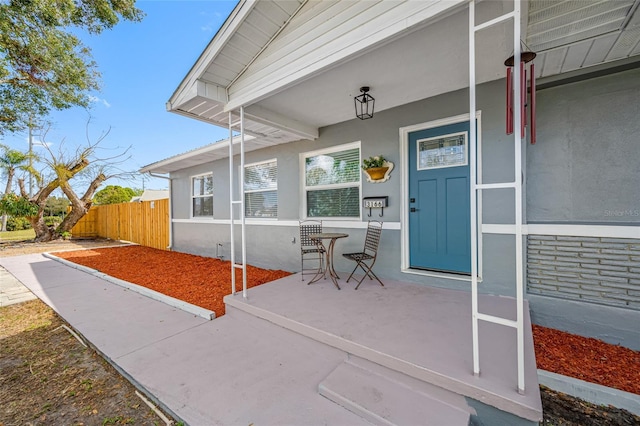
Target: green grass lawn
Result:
[[27, 234]]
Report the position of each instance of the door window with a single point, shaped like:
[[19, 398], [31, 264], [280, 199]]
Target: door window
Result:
[[442, 151]]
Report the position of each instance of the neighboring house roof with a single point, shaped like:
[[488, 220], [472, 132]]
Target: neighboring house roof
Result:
[[295, 65], [151, 194]]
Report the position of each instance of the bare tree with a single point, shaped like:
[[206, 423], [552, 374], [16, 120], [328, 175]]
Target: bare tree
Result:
[[84, 167]]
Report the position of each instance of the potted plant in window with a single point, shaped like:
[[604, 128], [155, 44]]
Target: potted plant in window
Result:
[[377, 168]]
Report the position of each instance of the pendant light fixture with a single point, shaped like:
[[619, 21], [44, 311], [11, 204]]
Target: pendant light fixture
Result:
[[364, 104]]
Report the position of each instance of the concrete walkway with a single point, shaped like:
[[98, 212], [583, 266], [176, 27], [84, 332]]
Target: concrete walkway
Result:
[[12, 291], [224, 371]]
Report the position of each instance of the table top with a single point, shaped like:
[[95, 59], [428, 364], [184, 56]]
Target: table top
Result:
[[327, 235]]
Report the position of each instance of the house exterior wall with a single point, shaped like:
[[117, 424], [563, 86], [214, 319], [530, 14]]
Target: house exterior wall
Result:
[[269, 243], [584, 171], [584, 168], [573, 142]]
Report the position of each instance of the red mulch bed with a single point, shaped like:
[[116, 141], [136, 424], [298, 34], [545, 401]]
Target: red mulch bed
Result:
[[587, 359], [201, 281], [204, 282]]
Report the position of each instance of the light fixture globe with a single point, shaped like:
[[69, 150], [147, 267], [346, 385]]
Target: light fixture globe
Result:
[[364, 104]]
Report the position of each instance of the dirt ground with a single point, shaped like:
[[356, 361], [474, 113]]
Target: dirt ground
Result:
[[105, 392], [47, 377]]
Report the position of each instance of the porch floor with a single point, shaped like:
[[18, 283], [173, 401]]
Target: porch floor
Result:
[[329, 346], [423, 332]]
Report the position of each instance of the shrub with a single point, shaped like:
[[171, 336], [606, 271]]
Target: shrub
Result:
[[17, 224], [52, 220]]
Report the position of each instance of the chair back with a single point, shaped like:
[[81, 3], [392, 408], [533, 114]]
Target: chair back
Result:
[[372, 239], [309, 227]]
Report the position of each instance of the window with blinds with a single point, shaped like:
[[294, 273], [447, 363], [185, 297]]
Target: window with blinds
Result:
[[202, 195], [261, 190], [332, 182]]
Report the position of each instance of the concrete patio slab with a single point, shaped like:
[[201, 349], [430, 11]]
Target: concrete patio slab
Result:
[[234, 370], [421, 331], [243, 371], [117, 321]]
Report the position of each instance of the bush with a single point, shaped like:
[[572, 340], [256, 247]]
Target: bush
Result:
[[17, 224], [52, 220]]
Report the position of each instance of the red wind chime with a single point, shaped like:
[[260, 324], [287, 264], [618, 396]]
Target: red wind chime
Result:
[[525, 58]]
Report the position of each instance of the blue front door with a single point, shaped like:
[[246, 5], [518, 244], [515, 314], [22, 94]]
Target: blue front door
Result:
[[439, 214]]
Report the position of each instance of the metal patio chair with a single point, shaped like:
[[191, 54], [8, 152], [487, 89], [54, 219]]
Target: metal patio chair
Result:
[[367, 257], [310, 250]]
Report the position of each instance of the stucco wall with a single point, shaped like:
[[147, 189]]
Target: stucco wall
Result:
[[584, 167], [271, 244], [584, 170], [585, 162]]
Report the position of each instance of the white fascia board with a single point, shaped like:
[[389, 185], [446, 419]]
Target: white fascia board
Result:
[[166, 163], [211, 91], [202, 89], [277, 82], [173, 104], [197, 117], [228, 29], [181, 157], [268, 117]]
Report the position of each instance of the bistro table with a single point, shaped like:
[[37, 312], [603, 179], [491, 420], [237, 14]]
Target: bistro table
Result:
[[333, 236]]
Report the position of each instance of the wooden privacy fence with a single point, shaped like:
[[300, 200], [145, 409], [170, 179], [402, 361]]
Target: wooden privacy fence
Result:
[[145, 223]]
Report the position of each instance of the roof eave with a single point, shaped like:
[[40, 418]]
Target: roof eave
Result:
[[235, 19], [164, 166]]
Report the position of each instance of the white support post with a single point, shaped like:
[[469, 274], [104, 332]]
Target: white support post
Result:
[[232, 207], [232, 256], [242, 212], [518, 195], [477, 187], [473, 189]]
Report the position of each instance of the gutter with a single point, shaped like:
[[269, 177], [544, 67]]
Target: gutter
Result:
[[170, 207]]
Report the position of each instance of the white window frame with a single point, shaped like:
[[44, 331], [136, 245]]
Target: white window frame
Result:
[[193, 196], [304, 188], [244, 192]]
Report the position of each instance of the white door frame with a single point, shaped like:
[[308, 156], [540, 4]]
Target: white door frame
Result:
[[404, 194]]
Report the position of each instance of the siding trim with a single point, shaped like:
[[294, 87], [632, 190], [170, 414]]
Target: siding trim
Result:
[[604, 231], [391, 226]]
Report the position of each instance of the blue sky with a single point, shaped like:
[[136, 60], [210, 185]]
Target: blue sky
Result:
[[141, 65]]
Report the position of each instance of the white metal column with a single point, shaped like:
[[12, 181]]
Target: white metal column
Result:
[[237, 202], [478, 187]]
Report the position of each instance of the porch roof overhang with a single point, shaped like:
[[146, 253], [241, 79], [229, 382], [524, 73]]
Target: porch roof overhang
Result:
[[295, 66], [238, 67], [206, 154]]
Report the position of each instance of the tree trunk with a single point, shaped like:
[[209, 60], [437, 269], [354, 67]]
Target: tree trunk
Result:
[[79, 206], [70, 220], [10, 173], [43, 232]]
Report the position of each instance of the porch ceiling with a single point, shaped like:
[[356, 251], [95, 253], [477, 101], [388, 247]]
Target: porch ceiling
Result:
[[417, 61], [572, 35]]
